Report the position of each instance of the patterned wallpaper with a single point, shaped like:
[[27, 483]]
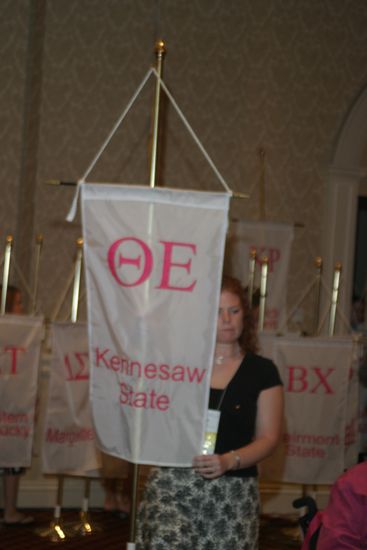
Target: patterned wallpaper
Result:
[[280, 75], [13, 48]]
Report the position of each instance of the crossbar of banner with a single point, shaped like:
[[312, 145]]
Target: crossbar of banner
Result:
[[61, 183], [6, 269]]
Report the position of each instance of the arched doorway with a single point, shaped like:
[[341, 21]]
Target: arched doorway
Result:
[[347, 179]]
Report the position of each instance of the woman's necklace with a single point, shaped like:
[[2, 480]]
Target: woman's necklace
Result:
[[220, 359]]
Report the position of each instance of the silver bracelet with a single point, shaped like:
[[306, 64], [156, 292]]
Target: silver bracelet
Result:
[[237, 458]]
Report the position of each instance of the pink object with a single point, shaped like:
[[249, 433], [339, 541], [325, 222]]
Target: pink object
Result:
[[344, 521]]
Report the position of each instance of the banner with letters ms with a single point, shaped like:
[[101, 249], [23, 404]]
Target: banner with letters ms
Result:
[[153, 269], [68, 437]]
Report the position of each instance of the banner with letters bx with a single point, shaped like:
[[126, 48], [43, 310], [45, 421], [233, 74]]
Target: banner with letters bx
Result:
[[153, 269]]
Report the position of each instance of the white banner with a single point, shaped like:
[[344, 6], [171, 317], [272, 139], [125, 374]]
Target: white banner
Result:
[[274, 241], [69, 443], [321, 409], [20, 341], [154, 265]]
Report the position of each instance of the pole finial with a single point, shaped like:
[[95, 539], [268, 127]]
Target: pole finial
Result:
[[318, 261], [160, 47]]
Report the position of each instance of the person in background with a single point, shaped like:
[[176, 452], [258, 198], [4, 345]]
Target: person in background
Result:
[[12, 516], [358, 314], [215, 504], [116, 475]]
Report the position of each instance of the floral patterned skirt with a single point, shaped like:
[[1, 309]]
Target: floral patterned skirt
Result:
[[182, 510]]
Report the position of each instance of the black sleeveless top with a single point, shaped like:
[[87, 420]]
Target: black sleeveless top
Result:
[[239, 406]]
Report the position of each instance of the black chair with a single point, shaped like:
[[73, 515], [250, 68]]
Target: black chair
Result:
[[311, 510]]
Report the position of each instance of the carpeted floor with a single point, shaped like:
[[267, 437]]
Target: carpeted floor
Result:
[[112, 533]]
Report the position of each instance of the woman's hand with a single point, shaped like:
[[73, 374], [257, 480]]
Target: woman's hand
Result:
[[211, 466]]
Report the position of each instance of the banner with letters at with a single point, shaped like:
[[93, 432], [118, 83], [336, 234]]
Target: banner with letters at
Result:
[[273, 240], [153, 266], [20, 342], [320, 382], [69, 442]]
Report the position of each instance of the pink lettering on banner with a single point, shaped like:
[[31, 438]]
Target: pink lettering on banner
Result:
[[143, 400], [13, 418], [76, 365], [143, 263], [146, 398], [104, 358], [54, 435], [13, 352], [309, 380], [17, 425], [309, 445], [273, 255], [22, 432], [168, 264]]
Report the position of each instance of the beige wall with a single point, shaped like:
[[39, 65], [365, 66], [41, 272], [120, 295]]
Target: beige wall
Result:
[[13, 62], [247, 73]]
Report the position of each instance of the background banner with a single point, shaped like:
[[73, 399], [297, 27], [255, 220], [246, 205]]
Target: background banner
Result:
[[321, 408], [154, 264], [273, 240], [20, 341], [69, 444]]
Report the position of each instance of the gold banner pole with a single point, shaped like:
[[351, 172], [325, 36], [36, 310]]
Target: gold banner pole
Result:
[[56, 531], [39, 243], [316, 313], [251, 279], [263, 284], [77, 276], [7, 257], [262, 212], [84, 525], [160, 50], [334, 298]]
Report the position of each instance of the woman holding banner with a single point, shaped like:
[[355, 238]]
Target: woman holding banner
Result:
[[12, 517], [216, 503]]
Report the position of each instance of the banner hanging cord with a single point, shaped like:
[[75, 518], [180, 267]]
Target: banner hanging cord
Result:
[[62, 298], [325, 314], [338, 311], [296, 306], [72, 212], [22, 278], [193, 135]]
